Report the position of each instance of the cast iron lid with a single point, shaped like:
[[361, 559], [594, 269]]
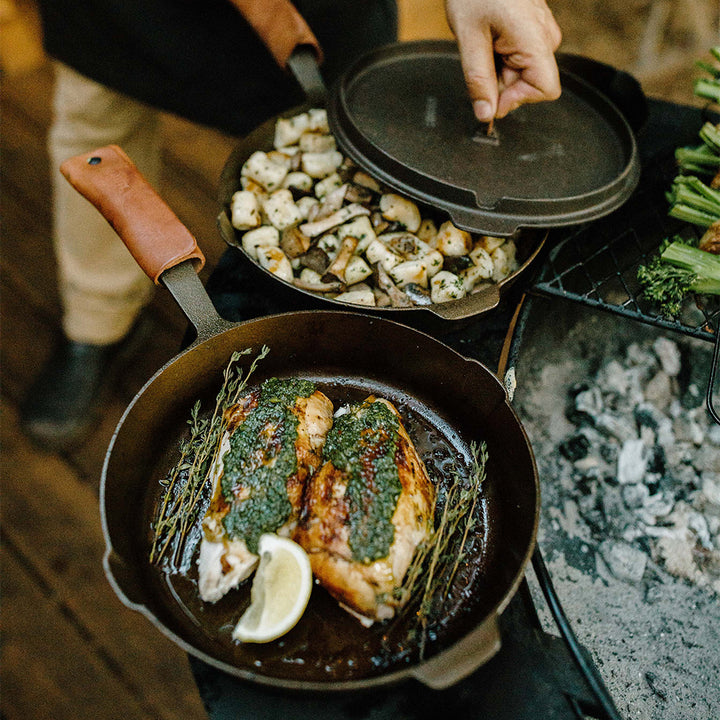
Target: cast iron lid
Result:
[[402, 112]]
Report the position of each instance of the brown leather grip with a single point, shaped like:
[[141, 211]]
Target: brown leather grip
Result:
[[151, 231], [280, 26]]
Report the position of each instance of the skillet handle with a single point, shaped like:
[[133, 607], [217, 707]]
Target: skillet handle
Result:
[[162, 246], [462, 658], [151, 231]]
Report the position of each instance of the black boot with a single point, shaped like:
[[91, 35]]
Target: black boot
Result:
[[61, 405]]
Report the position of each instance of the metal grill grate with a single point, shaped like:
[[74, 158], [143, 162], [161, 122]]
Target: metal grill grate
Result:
[[596, 264]]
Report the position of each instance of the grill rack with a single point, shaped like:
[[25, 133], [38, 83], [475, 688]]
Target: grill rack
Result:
[[596, 265]]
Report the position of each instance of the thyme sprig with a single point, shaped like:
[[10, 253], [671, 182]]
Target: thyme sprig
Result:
[[430, 576], [186, 485]]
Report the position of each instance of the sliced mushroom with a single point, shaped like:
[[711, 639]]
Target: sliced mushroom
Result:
[[402, 243], [294, 243], [397, 297], [316, 259], [313, 229], [419, 295], [710, 241], [320, 287], [366, 181], [358, 194], [336, 271]]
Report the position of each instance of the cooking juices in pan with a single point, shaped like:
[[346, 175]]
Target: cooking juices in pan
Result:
[[328, 644]]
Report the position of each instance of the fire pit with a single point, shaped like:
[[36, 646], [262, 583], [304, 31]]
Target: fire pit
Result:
[[629, 462]]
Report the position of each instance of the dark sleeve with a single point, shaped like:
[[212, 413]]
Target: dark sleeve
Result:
[[199, 58]]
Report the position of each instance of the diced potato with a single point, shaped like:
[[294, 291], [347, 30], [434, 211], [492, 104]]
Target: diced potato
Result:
[[289, 130], [265, 235], [317, 120], [274, 259], [399, 209], [427, 231], [330, 183], [363, 296], [247, 183], [452, 241], [446, 286], [377, 252], [361, 229], [281, 158], [281, 210], [474, 274], [304, 204], [410, 271], [260, 168], [503, 263], [320, 165], [489, 242], [299, 181], [310, 277], [357, 270], [403, 243], [433, 262], [316, 142], [245, 210], [481, 258]]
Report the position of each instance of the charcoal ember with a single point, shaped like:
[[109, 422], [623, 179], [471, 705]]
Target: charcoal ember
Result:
[[707, 459], [711, 488], [668, 353], [636, 495], [613, 509], [687, 429], [624, 561], [614, 426], [587, 404], [632, 461], [659, 390], [575, 447]]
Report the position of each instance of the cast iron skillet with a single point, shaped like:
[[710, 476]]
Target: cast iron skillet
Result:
[[447, 400]]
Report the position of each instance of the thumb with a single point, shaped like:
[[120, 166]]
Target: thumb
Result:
[[478, 64]]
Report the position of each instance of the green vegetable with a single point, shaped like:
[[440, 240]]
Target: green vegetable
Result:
[[679, 270], [694, 201]]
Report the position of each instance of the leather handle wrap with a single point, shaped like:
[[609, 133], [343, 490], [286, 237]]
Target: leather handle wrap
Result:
[[151, 231], [280, 26]]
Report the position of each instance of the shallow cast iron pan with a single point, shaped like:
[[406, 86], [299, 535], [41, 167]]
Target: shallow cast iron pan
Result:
[[448, 401], [402, 113]]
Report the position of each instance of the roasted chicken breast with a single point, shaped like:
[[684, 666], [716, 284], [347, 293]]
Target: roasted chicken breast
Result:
[[272, 445], [366, 510]]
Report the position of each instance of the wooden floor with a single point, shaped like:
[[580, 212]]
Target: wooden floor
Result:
[[70, 650]]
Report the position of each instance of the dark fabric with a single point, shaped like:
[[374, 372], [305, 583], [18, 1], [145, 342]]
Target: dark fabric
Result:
[[199, 58]]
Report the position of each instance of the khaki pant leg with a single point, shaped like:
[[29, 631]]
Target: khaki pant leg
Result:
[[101, 286]]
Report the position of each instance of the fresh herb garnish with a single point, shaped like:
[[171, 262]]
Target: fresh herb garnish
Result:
[[185, 486], [429, 578]]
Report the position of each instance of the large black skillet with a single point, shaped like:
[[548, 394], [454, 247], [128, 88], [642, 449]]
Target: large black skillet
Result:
[[448, 402]]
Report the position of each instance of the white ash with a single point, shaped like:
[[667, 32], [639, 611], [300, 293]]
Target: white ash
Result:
[[635, 557]]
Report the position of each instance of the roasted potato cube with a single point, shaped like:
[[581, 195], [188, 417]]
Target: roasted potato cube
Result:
[[245, 210], [317, 120], [298, 181], [356, 270], [410, 271], [399, 209], [260, 168], [289, 130], [281, 210], [327, 185], [427, 231], [265, 235], [358, 296], [453, 242], [482, 260], [304, 205], [274, 259], [489, 242], [320, 165], [503, 263], [446, 286], [316, 142], [361, 229], [378, 252]]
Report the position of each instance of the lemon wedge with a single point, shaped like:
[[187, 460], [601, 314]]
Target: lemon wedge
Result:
[[280, 591]]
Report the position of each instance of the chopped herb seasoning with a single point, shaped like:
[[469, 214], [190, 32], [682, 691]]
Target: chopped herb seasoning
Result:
[[362, 444], [260, 460]]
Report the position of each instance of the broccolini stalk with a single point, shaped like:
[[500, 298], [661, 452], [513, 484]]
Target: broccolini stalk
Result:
[[680, 269], [709, 88], [694, 201]]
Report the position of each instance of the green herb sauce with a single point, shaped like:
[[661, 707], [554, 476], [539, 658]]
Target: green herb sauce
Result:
[[259, 462], [362, 444]]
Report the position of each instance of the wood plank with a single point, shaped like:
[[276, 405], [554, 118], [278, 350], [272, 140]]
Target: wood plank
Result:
[[49, 668], [54, 523]]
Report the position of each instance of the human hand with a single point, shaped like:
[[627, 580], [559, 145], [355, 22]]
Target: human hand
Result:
[[524, 35]]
